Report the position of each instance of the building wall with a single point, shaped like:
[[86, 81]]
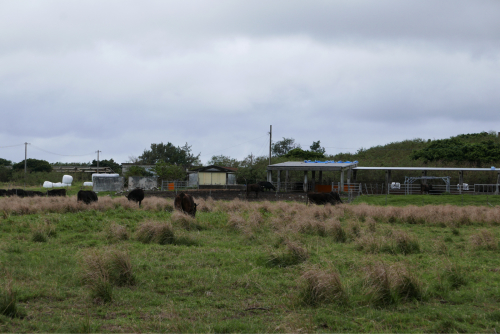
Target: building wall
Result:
[[107, 183], [211, 178], [143, 182]]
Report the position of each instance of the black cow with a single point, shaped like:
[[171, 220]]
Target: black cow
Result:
[[30, 193], [323, 198], [17, 192], [56, 192], [266, 186], [185, 203], [425, 188], [254, 187], [3, 192], [136, 195], [87, 196]]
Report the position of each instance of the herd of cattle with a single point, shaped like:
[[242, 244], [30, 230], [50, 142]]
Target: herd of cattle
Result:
[[183, 202]]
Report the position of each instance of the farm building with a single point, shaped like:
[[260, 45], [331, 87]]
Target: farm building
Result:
[[212, 175]]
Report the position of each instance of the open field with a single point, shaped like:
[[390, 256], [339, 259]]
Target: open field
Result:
[[422, 200], [247, 267]]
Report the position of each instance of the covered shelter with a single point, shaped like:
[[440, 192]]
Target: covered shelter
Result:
[[312, 166], [424, 171], [212, 175]]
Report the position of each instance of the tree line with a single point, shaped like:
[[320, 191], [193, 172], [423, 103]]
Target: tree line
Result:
[[172, 162]]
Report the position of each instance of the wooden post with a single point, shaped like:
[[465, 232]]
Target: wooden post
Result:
[[355, 175], [460, 180], [388, 180], [320, 181], [279, 180], [498, 181], [313, 180], [305, 181], [424, 181], [341, 181], [286, 180]]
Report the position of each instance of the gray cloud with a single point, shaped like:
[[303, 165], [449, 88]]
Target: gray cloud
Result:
[[120, 75]]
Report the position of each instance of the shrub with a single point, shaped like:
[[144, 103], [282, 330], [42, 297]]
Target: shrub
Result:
[[319, 287]]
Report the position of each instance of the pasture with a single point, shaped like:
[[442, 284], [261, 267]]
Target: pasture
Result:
[[246, 267]]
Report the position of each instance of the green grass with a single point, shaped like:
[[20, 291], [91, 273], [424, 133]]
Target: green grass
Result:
[[421, 200], [218, 278]]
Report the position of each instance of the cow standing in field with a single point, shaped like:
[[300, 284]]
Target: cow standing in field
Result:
[[324, 198], [266, 185], [185, 203], [254, 187], [56, 192], [425, 188], [136, 195], [3, 192], [17, 192], [87, 196]]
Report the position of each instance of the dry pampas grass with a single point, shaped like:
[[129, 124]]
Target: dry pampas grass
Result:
[[322, 287]]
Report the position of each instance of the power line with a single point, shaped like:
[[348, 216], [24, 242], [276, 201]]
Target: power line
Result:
[[62, 155], [11, 146]]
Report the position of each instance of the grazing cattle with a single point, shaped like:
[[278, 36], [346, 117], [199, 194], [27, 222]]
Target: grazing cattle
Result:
[[323, 198], [3, 192], [253, 187], [425, 188], [56, 192], [16, 192], [136, 195], [267, 185], [185, 203], [87, 196], [34, 193]]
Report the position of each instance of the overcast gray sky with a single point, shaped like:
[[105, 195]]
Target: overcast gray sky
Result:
[[116, 76]]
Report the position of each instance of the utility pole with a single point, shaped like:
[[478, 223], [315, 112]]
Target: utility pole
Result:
[[270, 141], [25, 162], [98, 160]]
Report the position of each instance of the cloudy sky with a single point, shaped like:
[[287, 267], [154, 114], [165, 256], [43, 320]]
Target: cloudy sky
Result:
[[116, 76]]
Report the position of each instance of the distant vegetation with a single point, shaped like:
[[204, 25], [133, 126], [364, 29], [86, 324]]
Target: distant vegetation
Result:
[[465, 150]]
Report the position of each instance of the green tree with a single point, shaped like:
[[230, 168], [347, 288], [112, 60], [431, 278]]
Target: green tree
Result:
[[223, 161], [34, 165], [170, 154], [169, 172], [108, 163], [316, 147], [457, 150], [5, 162], [284, 146], [300, 154], [5, 174]]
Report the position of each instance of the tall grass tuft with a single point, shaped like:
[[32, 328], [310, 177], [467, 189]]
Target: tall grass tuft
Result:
[[337, 231], [386, 285], [294, 254], [456, 276], [320, 287], [185, 221], [153, 231], [8, 302], [404, 243], [116, 232], [101, 270], [42, 231], [484, 240]]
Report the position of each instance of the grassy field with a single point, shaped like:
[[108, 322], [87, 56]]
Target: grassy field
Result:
[[421, 200], [247, 267]]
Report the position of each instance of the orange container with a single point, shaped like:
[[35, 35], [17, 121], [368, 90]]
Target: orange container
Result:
[[171, 186]]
